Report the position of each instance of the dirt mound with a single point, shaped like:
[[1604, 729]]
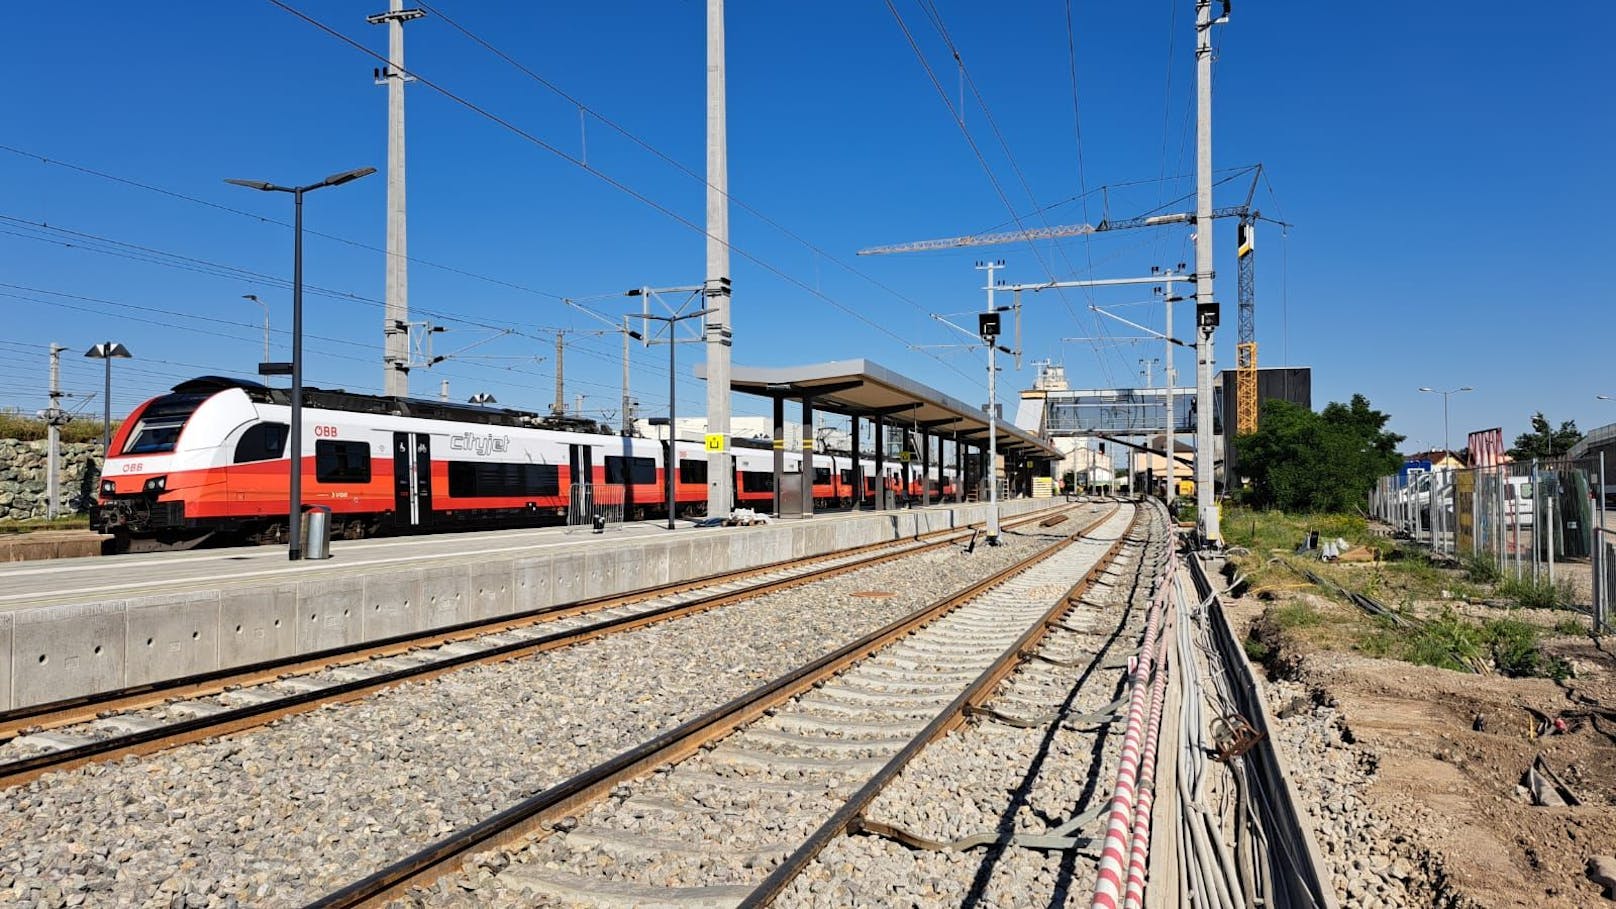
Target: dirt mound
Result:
[[1449, 751]]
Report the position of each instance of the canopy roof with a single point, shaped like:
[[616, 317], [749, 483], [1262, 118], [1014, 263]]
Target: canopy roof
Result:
[[865, 389]]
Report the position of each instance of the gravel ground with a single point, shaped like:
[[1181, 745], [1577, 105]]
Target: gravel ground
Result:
[[1370, 866], [988, 777], [721, 820], [282, 814]]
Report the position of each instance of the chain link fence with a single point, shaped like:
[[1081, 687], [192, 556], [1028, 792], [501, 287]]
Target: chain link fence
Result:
[[1547, 522]]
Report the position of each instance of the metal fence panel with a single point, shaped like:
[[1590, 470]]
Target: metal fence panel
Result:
[[1526, 518], [591, 501]]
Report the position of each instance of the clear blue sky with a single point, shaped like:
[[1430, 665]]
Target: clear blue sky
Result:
[[1446, 167]]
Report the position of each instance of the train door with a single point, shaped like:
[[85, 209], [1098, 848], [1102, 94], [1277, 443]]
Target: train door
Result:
[[412, 478], [581, 458]]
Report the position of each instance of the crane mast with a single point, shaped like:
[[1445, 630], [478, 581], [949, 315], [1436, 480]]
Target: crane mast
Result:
[[1245, 398]]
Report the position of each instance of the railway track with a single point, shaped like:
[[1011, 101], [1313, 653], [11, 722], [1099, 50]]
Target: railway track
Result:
[[68, 734], [790, 752]]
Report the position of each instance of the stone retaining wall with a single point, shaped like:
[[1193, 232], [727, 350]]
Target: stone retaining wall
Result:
[[23, 478]]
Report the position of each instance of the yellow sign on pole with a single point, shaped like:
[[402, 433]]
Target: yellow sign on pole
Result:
[[715, 441], [903, 456]]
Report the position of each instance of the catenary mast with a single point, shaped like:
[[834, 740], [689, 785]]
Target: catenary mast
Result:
[[396, 315], [720, 495]]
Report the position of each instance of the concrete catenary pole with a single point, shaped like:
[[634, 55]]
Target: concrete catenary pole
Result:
[[560, 405], [396, 314], [626, 424], [1205, 306], [993, 409], [1172, 417], [720, 480], [54, 420]]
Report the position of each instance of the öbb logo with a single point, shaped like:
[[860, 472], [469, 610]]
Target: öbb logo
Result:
[[481, 445]]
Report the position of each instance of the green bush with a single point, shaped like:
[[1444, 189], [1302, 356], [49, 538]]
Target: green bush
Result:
[[1256, 651], [1480, 569], [1539, 594], [1514, 647], [1447, 641], [1570, 625]]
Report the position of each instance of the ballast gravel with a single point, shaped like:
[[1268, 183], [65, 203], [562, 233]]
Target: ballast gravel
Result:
[[1369, 864], [714, 843], [989, 777], [286, 813]]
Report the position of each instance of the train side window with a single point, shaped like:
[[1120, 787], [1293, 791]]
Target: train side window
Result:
[[847, 477], [470, 479], [639, 470], [694, 472], [757, 481], [821, 475], [341, 462], [261, 442]]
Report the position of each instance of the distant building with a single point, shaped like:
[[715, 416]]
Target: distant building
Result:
[[1439, 460]]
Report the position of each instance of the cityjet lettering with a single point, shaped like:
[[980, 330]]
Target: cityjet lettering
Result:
[[481, 445]]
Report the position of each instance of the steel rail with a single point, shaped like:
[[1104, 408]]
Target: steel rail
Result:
[[84, 708], [545, 808], [974, 696], [238, 719]]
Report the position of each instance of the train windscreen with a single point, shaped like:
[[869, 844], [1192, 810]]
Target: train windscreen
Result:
[[160, 423]]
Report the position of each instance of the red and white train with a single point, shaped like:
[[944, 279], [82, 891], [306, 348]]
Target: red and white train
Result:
[[211, 458]]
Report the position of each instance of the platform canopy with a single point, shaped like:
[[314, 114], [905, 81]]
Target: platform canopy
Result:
[[865, 389]]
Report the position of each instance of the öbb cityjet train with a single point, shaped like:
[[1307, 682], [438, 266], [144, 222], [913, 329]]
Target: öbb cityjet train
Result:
[[210, 459]]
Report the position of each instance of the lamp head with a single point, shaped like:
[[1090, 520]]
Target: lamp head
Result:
[[253, 184], [347, 176], [108, 351]]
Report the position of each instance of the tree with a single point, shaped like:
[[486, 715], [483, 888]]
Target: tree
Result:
[[1544, 442], [1303, 461]]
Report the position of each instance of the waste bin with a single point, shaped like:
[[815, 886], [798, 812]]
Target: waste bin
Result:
[[316, 532]]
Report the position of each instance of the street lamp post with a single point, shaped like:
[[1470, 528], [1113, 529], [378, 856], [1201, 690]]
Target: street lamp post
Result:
[[671, 464], [254, 298], [294, 549], [1445, 395], [107, 351]]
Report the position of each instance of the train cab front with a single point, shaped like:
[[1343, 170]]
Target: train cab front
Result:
[[137, 495]]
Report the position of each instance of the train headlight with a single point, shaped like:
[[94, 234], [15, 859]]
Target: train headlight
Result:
[[108, 487], [156, 484]]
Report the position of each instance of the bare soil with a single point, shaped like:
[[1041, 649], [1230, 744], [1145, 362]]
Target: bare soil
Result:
[[1450, 750]]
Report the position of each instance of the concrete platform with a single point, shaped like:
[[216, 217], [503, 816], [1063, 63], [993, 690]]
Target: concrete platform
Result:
[[39, 545], [79, 626]]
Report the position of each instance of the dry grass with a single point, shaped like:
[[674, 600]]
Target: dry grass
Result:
[[28, 429]]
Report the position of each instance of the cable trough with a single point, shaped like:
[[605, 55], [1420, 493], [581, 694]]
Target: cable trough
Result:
[[1235, 836]]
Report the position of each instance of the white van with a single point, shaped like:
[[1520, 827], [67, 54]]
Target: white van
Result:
[[1518, 502]]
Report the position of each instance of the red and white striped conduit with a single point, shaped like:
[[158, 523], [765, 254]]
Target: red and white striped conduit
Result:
[[1140, 850], [1108, 884]]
